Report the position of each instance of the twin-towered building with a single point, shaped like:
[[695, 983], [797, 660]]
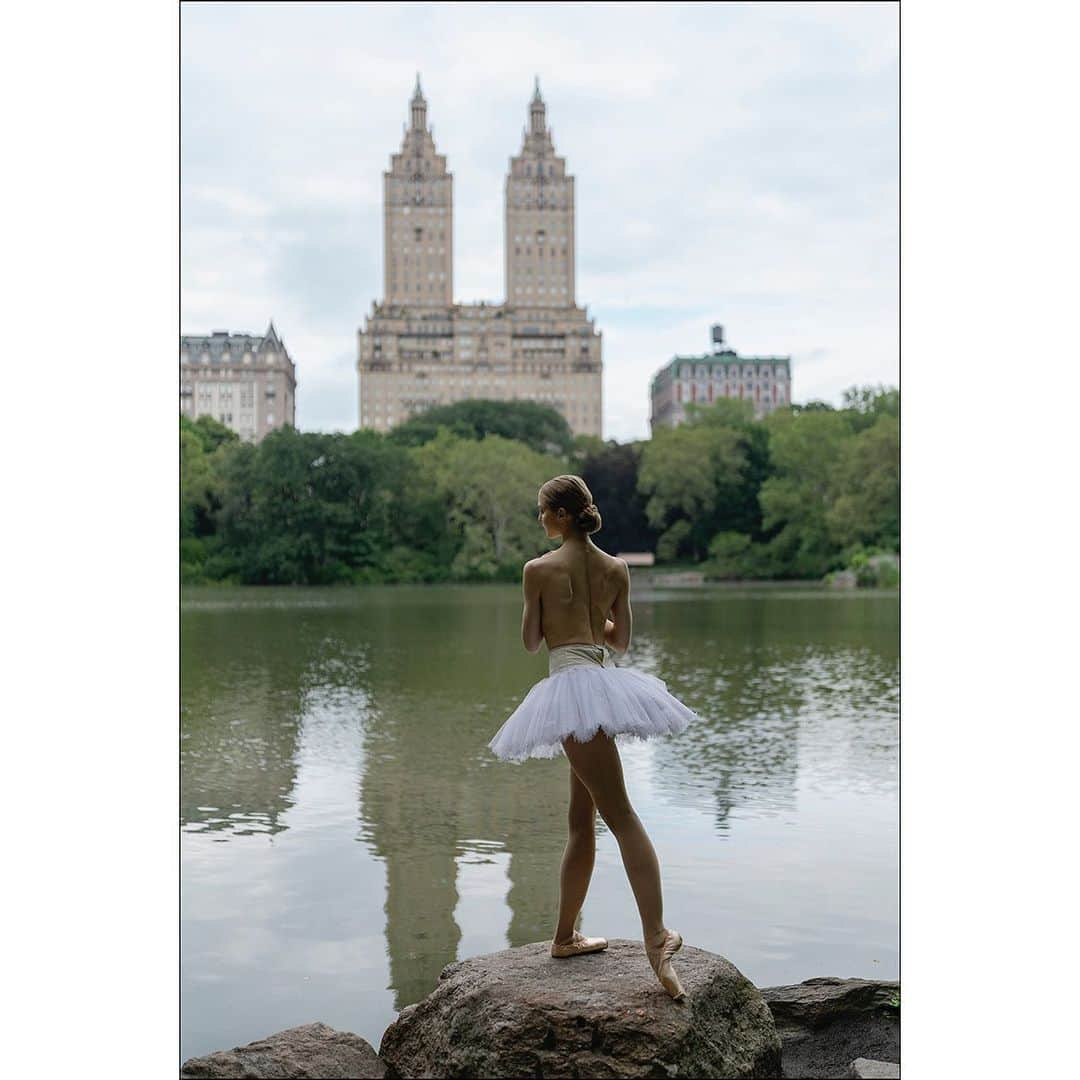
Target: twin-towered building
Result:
[[418, 348]]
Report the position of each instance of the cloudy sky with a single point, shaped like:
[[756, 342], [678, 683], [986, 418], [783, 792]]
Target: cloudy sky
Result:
[[735, 163]]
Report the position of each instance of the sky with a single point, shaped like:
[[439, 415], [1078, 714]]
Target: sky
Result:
[[735, 164]]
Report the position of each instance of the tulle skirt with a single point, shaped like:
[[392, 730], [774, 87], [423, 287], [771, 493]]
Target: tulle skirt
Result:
[[583, 694]]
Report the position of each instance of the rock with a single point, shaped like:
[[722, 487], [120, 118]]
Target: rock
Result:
[[521, 1013], [312, 1050], [874, 1070], [826, 1023], [842, 579]]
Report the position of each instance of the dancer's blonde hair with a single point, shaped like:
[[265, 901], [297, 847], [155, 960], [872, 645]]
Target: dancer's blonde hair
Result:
[[572, 494]]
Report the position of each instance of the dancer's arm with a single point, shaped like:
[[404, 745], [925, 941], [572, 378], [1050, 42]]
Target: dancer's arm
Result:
[[531, 629], [620, 627]]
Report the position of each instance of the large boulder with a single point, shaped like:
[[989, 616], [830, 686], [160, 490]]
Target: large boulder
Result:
[[312, 1050], [827, 1023], [519, 1012]]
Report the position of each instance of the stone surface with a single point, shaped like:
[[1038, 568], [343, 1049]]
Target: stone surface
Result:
[[874, 1070], [826, 1023], [312, 1050], [521, 1013]]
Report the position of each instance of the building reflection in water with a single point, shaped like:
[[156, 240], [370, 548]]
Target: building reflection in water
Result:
[[432, 793]]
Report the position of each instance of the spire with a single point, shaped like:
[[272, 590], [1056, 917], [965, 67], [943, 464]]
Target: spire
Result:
[[418, 107], [537, 109]]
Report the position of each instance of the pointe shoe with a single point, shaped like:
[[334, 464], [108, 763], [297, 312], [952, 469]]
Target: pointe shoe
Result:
[[660, 959], [577, 945]]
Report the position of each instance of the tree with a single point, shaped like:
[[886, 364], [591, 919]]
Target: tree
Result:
[[203, 446], [211, 433], [313, 508], [866, 508], [540, 427], [740, 510], [865, 404], [691, 473], [807, 451], [489, 489], [611, 471]]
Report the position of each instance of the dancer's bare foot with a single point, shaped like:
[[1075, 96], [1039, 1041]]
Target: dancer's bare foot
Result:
[[660, 949]]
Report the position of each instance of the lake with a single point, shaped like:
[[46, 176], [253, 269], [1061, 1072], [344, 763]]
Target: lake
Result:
[[345, 832]]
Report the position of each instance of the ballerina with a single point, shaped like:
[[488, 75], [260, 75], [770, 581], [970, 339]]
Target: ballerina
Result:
[[580, 708]]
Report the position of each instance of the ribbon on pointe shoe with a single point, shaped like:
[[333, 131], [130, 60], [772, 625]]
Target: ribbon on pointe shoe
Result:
[[577, 945]]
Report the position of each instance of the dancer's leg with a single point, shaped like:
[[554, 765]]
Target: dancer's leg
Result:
[[599, 767], [578, 858]]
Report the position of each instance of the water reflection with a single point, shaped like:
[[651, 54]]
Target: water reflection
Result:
[[356, 722], [241, 702]]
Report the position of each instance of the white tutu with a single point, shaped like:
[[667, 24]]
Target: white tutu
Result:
[[583, 694]]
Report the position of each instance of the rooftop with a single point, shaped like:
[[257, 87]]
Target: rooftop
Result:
[[219, 342]]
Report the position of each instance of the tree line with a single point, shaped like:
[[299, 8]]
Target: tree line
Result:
[[450, 495]]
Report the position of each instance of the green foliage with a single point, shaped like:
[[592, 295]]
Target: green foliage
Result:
[[451, 495], [672, 541], [611, 471], [538, 426], [807, 451], [204, 445], [873, 568], [488, 489], [691, 474], [211, 433], [866, 404], [866, 508], [728, 553], [316, 509], [707, 472]]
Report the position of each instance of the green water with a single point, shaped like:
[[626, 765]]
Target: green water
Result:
[[346, 832]]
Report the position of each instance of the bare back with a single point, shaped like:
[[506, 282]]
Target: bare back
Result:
[[567, 616]]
